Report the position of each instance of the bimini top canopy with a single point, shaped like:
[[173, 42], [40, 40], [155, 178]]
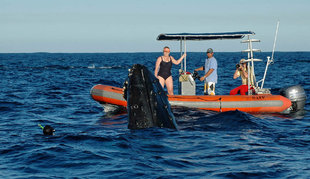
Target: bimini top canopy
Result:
[[205, 36]]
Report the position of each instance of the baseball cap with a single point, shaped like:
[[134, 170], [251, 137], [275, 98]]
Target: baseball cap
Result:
[[210, 50], [242, 61]]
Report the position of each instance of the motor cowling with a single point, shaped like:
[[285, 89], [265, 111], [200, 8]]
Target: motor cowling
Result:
[[297, 96]]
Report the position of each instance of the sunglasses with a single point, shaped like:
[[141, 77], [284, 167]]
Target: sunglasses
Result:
[[166, 51]]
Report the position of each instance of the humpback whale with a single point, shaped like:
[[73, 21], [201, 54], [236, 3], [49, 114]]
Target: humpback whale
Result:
[[147, 102]]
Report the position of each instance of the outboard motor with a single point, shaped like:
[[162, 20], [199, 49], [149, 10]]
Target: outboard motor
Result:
[[187, 84], [297, 96]]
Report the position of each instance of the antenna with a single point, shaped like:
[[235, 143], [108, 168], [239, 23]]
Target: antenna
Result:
[[269, 61], [275, 40]]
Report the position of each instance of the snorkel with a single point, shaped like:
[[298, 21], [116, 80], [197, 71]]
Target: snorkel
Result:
[[47, 130]]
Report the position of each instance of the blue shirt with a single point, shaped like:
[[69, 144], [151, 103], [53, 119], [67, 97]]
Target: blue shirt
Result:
[[211, 63]]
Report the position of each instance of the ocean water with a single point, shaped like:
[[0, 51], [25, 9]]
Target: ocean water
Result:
[[54, 89]]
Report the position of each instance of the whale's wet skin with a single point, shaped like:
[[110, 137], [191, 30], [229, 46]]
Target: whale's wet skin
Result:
[[53, 89], [147, 102]]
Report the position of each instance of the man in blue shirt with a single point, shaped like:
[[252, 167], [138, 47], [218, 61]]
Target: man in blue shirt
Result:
[[210, 76]]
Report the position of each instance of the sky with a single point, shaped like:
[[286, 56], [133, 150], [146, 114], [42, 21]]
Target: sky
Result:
[[78, 26]]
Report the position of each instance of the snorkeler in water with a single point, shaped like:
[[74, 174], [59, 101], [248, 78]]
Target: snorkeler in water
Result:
[[47, 130]]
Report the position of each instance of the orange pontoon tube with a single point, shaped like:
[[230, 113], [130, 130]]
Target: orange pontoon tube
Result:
[[265, 103]]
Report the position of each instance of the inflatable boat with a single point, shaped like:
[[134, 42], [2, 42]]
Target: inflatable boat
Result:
[[258, 99], [264, 103]]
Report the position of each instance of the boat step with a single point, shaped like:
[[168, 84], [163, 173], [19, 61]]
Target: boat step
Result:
[[250, 40], [253, 50], [254, 60]]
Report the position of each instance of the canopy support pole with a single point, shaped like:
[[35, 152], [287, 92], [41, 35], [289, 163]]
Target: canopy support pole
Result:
[[185, 52], [181, 49]]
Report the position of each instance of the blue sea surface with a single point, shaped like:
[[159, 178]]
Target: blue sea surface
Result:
[[54, 89]]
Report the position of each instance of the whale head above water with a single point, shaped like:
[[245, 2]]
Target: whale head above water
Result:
[[147, 102]]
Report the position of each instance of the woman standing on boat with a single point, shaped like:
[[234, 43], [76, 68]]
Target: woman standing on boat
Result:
[[163, 69]]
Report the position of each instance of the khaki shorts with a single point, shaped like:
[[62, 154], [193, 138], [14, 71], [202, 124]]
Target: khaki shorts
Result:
[[209, 88]]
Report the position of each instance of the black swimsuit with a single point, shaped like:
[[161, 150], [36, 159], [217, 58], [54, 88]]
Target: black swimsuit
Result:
[[165, 69]]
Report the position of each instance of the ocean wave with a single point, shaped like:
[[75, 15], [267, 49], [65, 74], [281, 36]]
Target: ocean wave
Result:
[[53, 89]]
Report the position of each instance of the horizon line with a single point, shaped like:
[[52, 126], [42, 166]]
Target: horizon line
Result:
[[151, 52]]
